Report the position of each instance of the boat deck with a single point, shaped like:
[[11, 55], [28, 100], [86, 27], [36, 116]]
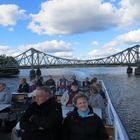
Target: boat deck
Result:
[[114, 128]]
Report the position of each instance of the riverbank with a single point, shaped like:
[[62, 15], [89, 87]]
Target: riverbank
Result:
[[8, 72]]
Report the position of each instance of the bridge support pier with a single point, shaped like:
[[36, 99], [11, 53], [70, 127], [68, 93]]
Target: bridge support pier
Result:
[[129, 70], [137, 70]]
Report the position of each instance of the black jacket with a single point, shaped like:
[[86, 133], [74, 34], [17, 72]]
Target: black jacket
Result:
[[42, 122], [50, 83], [88, 128], [23, 88]]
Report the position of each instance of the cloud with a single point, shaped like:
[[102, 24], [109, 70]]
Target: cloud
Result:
[[112, 0], [129, 12], [11, 29], [95, 43], [130, 38], [127, 39], [64, 54], [53, 47], [6, 50], [103, 52], [60, 17], [10, 13]]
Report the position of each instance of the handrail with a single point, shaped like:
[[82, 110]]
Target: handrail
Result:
[[120, 132]]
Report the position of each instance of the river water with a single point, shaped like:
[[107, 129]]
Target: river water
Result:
[[123, 90]]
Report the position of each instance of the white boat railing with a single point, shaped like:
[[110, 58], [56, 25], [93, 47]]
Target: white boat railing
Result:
[[113, 118]]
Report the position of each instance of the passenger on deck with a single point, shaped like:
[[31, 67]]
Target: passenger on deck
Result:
[[102, 93], [93, 81], [38, 72], [82, 123], [86, 83], [33, 86], [68, 95], [40, 81], [24, 86], [5, 95], [43, 119], [62, 85], [16, 131], [51, 84], [74, 80], [95, 99]]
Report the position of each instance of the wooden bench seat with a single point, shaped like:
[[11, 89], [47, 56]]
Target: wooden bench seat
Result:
[[111, 131]]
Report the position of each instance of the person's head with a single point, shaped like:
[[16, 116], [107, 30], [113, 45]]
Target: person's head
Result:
[[94, 80], [74, 87], [42, 94], [2, 86], [62, 77], [34, 82], [41, 78], [73, 77], [50, 77], [86, 79], [81, 102], [94, 89], [23, 81]]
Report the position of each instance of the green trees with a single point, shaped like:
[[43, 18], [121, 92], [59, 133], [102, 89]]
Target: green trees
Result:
[[6, 59], [8, 66]]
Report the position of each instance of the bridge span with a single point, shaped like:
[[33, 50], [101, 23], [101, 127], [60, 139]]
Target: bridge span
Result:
[[32, 59]]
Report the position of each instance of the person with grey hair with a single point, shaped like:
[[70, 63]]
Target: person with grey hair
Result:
[[43, 119], [5, 95]]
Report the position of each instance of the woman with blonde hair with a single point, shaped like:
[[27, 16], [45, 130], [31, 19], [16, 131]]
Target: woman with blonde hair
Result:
[[82, 123]]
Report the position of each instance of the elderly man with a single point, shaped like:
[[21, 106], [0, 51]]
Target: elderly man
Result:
[[42, 120]]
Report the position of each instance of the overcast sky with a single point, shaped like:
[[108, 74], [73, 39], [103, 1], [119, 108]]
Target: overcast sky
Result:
[[82, 29]]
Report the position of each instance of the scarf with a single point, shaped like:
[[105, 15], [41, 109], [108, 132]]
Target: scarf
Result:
[[83, 114]]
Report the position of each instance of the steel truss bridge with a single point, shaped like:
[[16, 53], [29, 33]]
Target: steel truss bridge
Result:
[[33, 58]]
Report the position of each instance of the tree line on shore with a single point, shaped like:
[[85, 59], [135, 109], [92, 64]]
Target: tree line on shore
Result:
[[8, 65]]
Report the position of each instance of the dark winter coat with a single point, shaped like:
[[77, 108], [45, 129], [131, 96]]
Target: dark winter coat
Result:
[[88, 128], [50, 83], [24, 88], [42, 122]]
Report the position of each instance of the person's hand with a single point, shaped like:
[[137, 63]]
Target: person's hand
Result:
[[41, 128], [22, 130]]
